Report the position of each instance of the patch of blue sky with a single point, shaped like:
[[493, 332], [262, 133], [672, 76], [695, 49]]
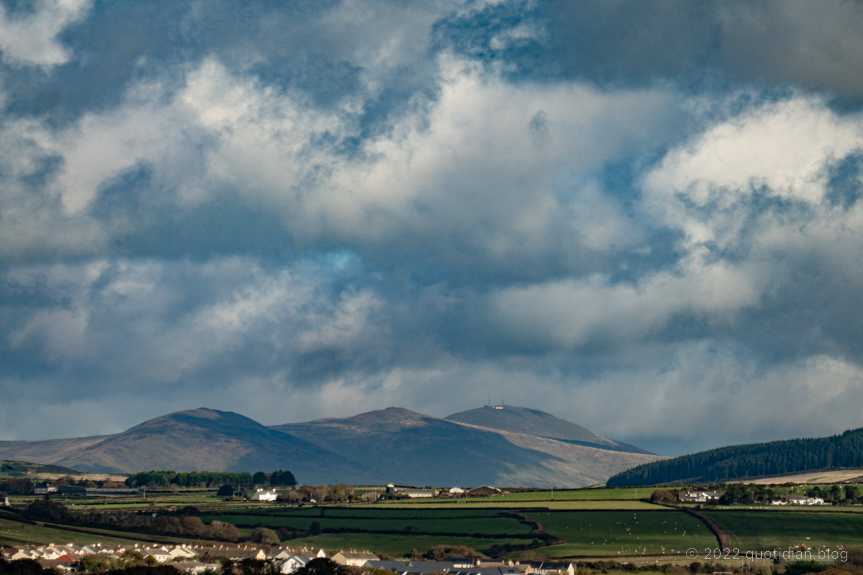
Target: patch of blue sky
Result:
[[335, 260]]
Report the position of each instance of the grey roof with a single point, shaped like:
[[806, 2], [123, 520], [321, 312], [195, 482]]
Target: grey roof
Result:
[[429, 566], [395, 566], [487, 571]]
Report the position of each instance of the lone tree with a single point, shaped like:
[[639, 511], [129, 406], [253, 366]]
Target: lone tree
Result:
[[264, 535], [662, 496]]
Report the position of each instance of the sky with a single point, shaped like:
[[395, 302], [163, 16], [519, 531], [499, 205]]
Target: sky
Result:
[[640, 216]]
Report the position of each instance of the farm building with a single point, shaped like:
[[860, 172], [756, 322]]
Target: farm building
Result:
[[698, 496], [802, 500], [264, 495]]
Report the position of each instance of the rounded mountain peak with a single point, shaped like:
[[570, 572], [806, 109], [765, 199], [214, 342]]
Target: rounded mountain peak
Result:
[[529, 422]]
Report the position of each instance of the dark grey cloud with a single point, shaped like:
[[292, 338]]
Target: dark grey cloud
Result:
[[700, 45]]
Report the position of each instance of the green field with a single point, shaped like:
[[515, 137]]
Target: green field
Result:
[[579, 494], [496, 503], [399, 531], [759, 530], [384, 512], [622, 532], [490, 525], [591, 522], [399, 545], [15, 533]]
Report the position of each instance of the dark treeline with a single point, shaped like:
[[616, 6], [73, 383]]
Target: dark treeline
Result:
[[155, 479], [16, 486], [183, 523], [753, 460]]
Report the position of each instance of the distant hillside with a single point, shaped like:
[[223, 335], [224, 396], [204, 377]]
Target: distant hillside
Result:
[[538, 423], [753, 460], [46, 450], [401, 446], [12, 468], [207, 439], [388, 446]]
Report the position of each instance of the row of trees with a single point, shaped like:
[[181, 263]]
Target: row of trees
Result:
[[188, 526], [161, 479], [16, 486], [742, 461], [185, 525], [737, 493], [339, 492], [276, 478], [835, 493]]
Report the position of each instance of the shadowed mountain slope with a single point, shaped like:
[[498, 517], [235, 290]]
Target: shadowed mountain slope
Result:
[[540, 424], [401, 446], [46, 450], [207, 439]]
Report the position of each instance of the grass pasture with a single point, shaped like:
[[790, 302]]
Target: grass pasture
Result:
[[349, 520], [760, 531], [603, 494], [399, 545], [500, 503], [15, 533], [613, 533], [394, 531]]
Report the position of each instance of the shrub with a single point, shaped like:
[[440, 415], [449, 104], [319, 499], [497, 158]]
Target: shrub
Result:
[[662, 496], [264, 535], [803, 567]]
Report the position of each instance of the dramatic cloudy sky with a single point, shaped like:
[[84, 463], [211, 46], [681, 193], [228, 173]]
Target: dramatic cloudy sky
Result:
[[640, 216]]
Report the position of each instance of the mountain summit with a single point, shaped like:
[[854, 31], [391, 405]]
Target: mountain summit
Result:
[[538, 423]]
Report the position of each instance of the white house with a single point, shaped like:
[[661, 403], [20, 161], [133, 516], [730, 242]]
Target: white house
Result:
[[291, 564], [191, 566], [417, 493], [551, 568], [264, 495], [801, 500], [698, 496]]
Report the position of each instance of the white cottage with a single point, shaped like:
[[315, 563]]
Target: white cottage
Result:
[[264, 495]]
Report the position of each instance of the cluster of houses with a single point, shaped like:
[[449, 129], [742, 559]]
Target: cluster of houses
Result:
[[197, 559], [798, 500], [698, 496], [453, 566], [188, 558], [706, 496], [482, 491], [77, 490]]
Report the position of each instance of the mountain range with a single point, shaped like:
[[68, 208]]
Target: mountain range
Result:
[[494, 445]]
